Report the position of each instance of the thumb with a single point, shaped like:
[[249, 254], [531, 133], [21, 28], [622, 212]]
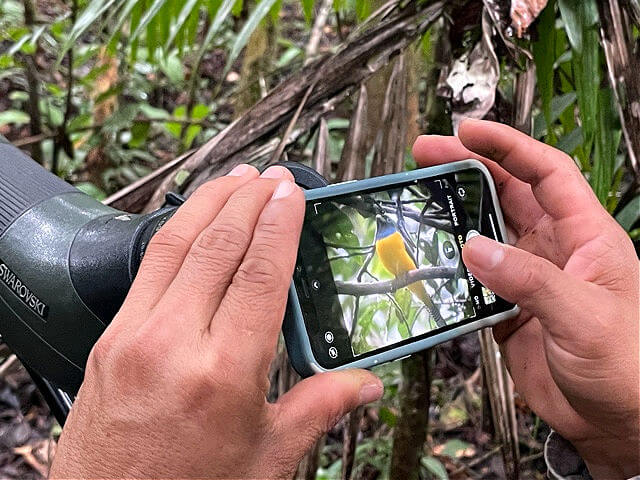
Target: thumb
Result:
[[315, 405], [532, 282]]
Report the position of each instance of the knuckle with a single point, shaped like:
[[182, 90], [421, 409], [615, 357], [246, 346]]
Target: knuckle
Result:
[[261, 270], [533, 279], [167, 241], [223, 237]]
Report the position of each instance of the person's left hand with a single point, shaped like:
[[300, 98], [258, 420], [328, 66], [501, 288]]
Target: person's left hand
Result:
[[176, 386]]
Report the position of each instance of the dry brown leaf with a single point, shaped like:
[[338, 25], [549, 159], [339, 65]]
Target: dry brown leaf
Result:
[[38, 455], [524, 12]]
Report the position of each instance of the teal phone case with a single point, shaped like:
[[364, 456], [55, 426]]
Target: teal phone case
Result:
[[294, 330]]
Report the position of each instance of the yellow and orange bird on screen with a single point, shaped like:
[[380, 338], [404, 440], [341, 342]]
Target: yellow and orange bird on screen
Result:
[[392, 252]]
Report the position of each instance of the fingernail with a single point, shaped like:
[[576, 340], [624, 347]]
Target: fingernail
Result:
[[239, 170], [371, 392], [274, 172], [484, 253], [284, 189]]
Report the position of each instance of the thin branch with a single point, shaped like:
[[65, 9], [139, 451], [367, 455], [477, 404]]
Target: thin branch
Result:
[[390, 286], [316, 32]]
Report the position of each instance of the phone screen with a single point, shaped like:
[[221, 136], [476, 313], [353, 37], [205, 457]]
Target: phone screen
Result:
[[382, 268]]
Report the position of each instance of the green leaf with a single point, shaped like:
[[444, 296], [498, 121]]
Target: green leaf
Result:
[[14, 116], [153, 113], [261, 10], [18, 96], [139, 134], [606, 146], [435, 467], [199, 111], [544, 55], [171, 66], [185, 12], [91, 190], [571, 141], [578, 15], [363, 9], [89, 15], [121, 118], [307, 9], [221, 15], [630, 214], [557, 107], [190, 135], [175, 128], [581, 21], [236, 11], [150, 14], [288, 56], [387, 416], [274, 13]]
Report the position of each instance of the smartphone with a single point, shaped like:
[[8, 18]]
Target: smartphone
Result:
[[379, 272]]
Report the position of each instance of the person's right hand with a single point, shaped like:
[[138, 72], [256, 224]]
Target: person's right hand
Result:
[[176, 386], [573, 351]]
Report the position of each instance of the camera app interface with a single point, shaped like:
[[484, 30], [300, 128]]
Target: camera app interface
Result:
[[381, 268]]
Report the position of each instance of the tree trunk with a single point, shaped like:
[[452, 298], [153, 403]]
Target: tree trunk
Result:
[[410, 432]]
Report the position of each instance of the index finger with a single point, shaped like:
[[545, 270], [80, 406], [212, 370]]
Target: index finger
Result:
[[250, 315], [555, 179]]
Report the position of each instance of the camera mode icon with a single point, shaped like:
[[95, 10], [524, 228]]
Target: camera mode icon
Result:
[[328, 337]]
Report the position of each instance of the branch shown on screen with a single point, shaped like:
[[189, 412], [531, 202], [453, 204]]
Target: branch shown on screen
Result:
[[390, 286]]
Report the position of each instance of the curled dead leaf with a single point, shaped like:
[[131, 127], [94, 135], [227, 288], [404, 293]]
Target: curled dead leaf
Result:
[[524, 12]]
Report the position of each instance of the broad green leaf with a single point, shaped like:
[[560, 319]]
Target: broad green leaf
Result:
[[190, 135], [153, 112], [435, 467], [557, 107], [544, 55], [200, 111], [260, 11], [18, 96], [171, 66], [175, 128], [630, 214], [578, 16], [387, 416], [14, 116], [581, 25], [307, 9], [571, 141], [139, 134], [606, 146]]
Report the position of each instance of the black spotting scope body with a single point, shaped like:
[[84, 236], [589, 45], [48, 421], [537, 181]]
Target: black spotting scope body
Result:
[[66, 264]]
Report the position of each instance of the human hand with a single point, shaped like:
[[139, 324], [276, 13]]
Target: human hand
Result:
[[176, 386], [573, 350]]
